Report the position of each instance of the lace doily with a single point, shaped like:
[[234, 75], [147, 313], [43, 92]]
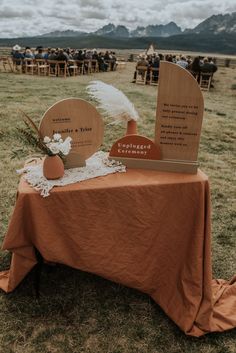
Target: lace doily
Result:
[[97, 165]]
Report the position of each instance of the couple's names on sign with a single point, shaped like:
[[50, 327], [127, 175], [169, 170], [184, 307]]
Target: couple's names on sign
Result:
[[77, 133], [81, 121], [179, 114]]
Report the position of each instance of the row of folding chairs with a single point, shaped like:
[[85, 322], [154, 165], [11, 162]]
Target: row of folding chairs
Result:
[[145, 75], [55, 68], [6, 63], [204, 79]]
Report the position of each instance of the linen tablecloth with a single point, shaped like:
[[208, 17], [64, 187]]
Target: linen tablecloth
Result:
[[145, 229]]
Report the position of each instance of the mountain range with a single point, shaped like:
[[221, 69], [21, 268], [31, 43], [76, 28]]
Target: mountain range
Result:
[[216, 34], [214, 24], [119, 31]]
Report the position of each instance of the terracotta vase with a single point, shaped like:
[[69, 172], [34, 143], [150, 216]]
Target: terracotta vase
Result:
[[53, 167], [131, 127]]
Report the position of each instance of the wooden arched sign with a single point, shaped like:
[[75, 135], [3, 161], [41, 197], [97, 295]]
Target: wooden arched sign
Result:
[[179, 114], [81, 121]]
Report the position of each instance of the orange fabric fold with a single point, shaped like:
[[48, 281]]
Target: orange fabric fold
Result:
[[145, 229]]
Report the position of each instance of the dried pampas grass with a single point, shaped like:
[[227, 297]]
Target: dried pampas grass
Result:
[[112, 101]]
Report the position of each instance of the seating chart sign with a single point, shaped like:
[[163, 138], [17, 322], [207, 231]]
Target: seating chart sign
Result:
[[179, 114], [81, 121]]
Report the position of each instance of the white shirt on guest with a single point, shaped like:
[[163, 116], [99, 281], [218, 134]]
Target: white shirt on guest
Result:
[[182, 63]]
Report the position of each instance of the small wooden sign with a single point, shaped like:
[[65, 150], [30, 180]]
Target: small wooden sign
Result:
[[135, 146], [81, 121]]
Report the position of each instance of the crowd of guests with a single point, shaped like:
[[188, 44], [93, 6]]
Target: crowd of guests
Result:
[[195, 65], [106, 60]]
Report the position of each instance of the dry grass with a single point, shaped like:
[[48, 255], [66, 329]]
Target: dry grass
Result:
[[81, 312]]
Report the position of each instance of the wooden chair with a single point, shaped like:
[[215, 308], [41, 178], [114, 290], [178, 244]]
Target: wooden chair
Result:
[[205, 80], [30, 66], [154, 74], [195, 75], [73, 68], [6, 63], [42, 67], [62, 69], [141, 75], [110, 63], [80, 65], [87, 67], [120, 65], [94, 65], [52, 68], [17, 65]]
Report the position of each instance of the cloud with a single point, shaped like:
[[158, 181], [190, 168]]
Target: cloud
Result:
[[37, 17], [8, 12], [94, 14], [96, 4]]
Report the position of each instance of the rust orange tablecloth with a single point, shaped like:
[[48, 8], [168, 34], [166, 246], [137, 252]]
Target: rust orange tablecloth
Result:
[[145, 229]]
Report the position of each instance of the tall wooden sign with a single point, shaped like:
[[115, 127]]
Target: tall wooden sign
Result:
[[81, 121], [179, 116]]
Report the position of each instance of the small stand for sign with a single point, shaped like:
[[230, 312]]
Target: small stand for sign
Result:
[[81, 121], [179, 116]]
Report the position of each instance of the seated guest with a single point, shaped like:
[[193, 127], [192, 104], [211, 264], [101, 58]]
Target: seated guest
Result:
[[103, 65], [52, 55], [174, 59], [95, 55], [107, 56], [195, 67], [113, 62], [208, 67], [182, 62], [89, 55], [149, 59], [107, 59], [169, 58], [189, 60], [79, 56], [46, 55], [16, 54], [155, 65], [72, 53], [28, 54], [67, 51], [39, 54], [62, 56], [141, 62]]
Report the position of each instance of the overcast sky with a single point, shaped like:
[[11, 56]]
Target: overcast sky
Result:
[[33, 17]]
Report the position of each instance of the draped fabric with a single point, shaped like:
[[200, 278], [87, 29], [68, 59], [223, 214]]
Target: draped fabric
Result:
[[145, 229]]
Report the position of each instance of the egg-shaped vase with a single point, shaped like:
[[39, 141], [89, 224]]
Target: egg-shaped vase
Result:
[[53, 167]]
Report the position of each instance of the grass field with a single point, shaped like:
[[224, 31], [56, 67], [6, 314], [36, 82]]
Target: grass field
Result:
[[80, 312]]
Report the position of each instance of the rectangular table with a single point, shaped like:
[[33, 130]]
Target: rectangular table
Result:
[[145, 229]]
